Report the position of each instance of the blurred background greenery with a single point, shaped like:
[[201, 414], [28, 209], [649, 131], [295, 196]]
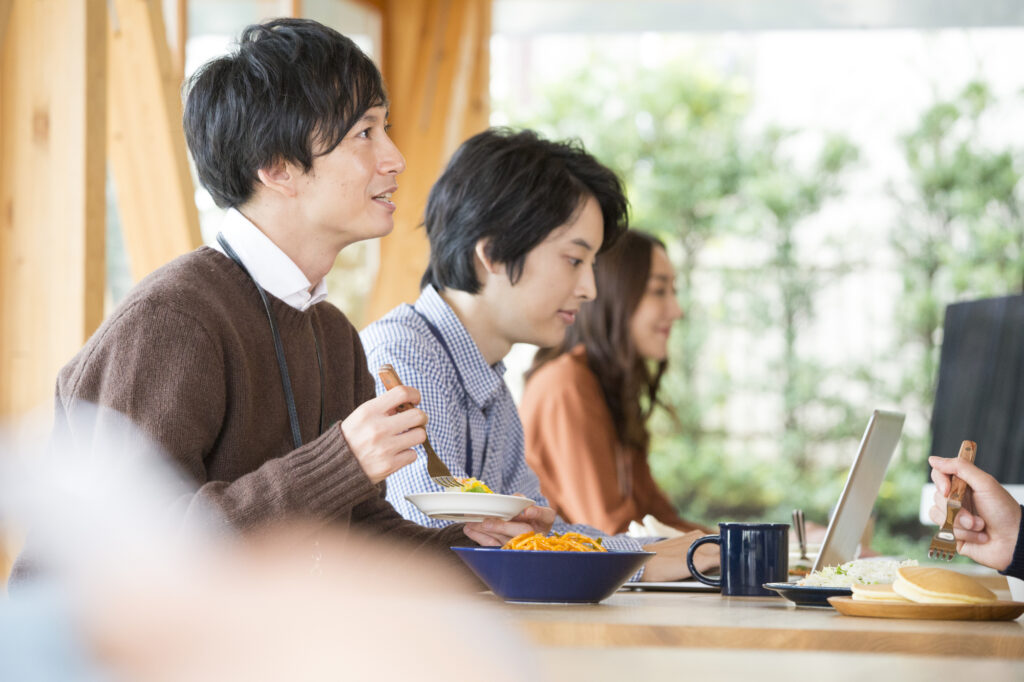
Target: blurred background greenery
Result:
[[702, 172]]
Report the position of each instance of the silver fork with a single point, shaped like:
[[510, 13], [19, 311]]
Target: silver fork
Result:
[[437, 469], [943, 545]]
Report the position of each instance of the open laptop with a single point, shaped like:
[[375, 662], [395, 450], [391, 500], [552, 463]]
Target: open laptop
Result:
[[846, 527], [862, 485]]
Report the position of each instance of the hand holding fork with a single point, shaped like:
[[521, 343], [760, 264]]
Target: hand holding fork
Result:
[[986, 525], [944, 545]]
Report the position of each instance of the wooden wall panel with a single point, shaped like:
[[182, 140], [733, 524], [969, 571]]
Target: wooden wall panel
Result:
[[379, 5], [5, 12], [146, 145], [180, 38], [436, 64], [52, 198]]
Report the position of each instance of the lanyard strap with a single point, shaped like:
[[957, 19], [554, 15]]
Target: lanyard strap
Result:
[[455, 367], [282, 364]]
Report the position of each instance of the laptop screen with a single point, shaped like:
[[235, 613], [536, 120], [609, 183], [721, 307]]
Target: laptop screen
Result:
[[862, 485]]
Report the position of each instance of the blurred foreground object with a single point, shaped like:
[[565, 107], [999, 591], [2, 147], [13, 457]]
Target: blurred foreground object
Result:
[[128, 592], [257, 613]]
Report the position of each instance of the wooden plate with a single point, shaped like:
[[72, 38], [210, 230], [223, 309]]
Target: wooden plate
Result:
[[997, 610]]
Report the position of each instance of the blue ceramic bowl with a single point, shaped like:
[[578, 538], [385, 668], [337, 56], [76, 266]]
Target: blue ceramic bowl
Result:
[[564, 577]]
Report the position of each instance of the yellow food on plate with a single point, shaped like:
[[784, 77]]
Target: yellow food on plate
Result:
[[473, 485], [927, 585], [566, 542], [876, 593]]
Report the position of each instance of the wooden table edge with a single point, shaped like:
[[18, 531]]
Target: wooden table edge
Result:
[[575, 634]]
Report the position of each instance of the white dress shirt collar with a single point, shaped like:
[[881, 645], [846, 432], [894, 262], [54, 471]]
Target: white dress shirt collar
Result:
[[269, 265]]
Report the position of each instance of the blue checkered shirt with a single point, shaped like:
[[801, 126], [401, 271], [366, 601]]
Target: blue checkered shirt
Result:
[[473, 422]]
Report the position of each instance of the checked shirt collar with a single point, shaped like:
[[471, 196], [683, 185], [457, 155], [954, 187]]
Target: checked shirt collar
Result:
[[483, 382]]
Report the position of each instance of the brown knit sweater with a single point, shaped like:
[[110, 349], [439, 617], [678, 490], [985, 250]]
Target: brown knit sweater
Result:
[[190, 359]]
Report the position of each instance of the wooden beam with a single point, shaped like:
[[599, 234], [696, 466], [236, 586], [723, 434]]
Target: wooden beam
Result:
[[378, 5], [52, 192], [145, 143], [180, 37], [437, 68], [5, 12]]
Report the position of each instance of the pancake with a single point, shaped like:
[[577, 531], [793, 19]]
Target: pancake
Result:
[[877, 592], [927, 585]]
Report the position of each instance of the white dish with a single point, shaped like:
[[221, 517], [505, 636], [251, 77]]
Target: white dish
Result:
[[469, 506], [671, 586]]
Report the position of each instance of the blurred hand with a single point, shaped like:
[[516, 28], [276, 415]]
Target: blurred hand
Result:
[[495, 532], [381, 437], [987, 526], [254, 612], [669, 562]]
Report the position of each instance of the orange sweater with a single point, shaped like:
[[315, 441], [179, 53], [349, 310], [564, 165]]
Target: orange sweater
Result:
[[572, 447]]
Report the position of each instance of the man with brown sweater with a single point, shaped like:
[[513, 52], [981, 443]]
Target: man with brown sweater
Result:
[[229, 358]]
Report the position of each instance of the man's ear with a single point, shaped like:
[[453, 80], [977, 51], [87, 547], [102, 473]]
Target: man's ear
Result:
[[280, 177], [483, 261]]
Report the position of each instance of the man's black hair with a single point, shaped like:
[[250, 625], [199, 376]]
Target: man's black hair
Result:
[[290, 92], [512, 188]]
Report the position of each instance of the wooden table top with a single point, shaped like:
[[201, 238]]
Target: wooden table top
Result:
[[657, 664], [710, 621]]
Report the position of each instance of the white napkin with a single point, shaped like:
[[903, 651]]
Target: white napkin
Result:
[[652, 527]]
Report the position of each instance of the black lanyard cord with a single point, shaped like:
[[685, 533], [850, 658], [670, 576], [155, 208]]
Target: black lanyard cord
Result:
[[289, 397]]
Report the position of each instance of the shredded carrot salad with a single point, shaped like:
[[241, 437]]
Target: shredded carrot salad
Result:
[[566, 542]]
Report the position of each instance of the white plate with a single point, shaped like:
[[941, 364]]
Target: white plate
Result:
[[469, 506], [672, 586]]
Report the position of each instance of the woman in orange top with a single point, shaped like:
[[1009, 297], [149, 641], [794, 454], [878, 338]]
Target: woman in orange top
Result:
[[584, 422]]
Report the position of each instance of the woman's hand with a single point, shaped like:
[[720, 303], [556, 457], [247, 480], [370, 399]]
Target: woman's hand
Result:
[[669, 561]]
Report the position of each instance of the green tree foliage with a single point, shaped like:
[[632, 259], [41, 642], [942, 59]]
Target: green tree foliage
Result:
[[960, 233], [786, 196]]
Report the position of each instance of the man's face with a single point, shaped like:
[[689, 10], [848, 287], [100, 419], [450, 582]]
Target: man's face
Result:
[[558, 275], [346, 195]]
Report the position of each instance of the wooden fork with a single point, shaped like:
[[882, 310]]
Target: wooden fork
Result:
[[944, 543], [437, 469]]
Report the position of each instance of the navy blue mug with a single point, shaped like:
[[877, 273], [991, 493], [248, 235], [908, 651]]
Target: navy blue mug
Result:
[[752, 554]]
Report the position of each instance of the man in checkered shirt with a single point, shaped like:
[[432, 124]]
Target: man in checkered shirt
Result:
[[515, 224]]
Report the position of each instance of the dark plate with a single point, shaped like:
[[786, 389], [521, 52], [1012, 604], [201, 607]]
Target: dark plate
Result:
[[808, 595], [554, 577]]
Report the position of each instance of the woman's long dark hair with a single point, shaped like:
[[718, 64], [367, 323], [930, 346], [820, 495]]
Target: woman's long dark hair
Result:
[[602, 326]]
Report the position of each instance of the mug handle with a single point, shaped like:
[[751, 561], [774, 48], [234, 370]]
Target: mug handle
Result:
[[714, 582]]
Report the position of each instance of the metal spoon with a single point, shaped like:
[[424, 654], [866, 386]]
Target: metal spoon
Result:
[[801, 535]]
